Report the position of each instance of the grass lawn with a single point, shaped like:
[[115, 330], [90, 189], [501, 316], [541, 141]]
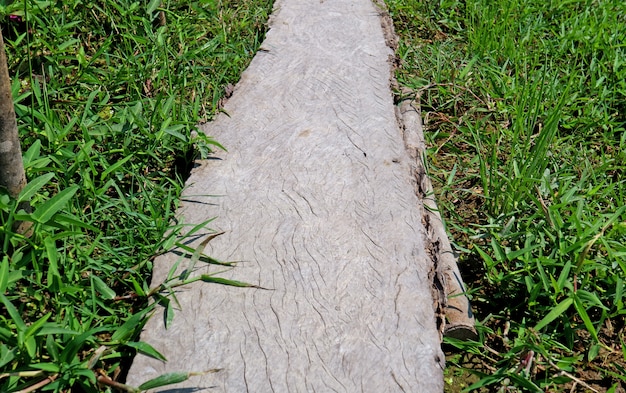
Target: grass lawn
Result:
[[107, 95], [524, 104], [524, 109]]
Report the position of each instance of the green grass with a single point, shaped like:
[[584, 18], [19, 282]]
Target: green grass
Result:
[[108, 95], [525, 114], [524, 104]]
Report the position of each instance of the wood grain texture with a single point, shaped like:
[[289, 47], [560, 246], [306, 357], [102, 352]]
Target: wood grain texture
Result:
[[316, 199]]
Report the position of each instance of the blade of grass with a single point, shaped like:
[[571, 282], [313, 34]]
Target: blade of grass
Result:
[[556, 312], [44, 212]]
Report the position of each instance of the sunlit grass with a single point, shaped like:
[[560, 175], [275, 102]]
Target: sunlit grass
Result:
[[524, 112], [107, 95]]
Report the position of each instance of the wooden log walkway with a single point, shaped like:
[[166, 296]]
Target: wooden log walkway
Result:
[[319, 199]]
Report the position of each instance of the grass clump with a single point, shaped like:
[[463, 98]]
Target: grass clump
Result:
[[107, 95], [524, 110]]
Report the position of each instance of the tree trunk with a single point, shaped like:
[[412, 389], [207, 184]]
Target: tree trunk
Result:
[[12, 176]]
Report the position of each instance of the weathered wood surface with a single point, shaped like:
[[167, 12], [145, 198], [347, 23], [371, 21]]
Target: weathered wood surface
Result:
[[454, 311], [317, 198]]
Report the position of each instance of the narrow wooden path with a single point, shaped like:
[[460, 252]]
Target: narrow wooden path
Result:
[[318, 199]]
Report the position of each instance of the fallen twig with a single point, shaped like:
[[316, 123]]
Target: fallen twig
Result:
[[570, 376], [39, 384]]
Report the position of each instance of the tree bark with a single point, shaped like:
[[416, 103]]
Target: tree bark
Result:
[[12, 175]]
